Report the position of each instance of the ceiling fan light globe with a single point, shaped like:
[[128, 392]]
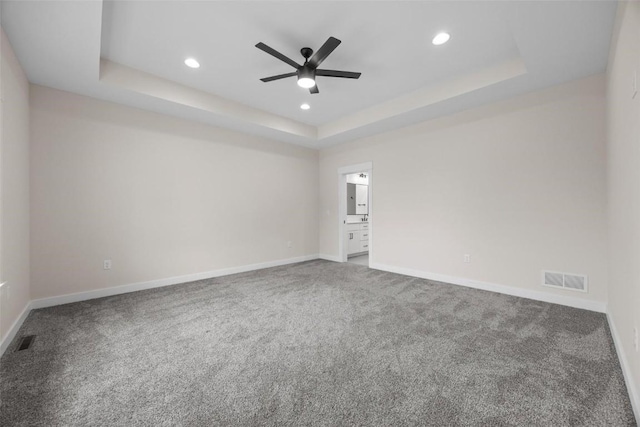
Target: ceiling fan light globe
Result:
[[306, 82]]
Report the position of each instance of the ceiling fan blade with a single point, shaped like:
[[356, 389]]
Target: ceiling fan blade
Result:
[[271, 51], [314, 89], [336, 73], [322, 53], [278, 77]]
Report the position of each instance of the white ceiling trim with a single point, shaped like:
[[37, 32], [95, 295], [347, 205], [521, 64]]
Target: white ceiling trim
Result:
[[426, 96], [148, 84]]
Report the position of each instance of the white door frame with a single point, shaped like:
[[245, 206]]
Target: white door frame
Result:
[[342, 207]]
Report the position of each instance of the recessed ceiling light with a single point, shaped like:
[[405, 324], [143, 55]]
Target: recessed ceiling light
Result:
[[305, 106], [441, 38], [192, 63]]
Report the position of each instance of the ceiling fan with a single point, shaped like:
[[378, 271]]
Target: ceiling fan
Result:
[[308, 72]]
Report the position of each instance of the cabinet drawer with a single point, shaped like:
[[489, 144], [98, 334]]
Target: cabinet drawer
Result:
[[364, 245], [364, 235], [357, 226], [353, 227]]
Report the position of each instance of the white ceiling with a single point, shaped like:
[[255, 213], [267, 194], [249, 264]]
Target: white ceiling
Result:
[[497, 50]]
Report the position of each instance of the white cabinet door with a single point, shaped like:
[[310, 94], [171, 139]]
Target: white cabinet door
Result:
[[362, 194], [353, 239]]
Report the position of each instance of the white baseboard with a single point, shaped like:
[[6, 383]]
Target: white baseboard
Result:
[[133, 287], [600, 307], [632, 387], [334, 258], [13, 330]]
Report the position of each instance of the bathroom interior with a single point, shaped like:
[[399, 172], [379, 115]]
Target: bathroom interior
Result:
[[358, 218]]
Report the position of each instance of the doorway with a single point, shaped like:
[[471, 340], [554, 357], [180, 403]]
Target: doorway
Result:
[[355, 218]]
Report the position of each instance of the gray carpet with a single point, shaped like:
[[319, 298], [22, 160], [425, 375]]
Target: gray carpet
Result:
[[315, 343]]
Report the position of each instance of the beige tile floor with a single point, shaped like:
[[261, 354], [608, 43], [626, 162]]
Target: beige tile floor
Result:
[[360, 259]]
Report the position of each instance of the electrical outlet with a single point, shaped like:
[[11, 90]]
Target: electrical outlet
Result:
[[107, 264], [467, 258], [289, 244]]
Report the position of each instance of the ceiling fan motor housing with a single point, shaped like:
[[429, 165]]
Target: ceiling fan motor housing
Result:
[[306, 52], [306, 72]]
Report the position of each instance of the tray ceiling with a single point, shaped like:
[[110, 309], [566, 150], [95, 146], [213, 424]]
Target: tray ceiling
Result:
[[132, 52]]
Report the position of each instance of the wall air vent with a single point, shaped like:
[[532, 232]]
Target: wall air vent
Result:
[[573, 282]]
